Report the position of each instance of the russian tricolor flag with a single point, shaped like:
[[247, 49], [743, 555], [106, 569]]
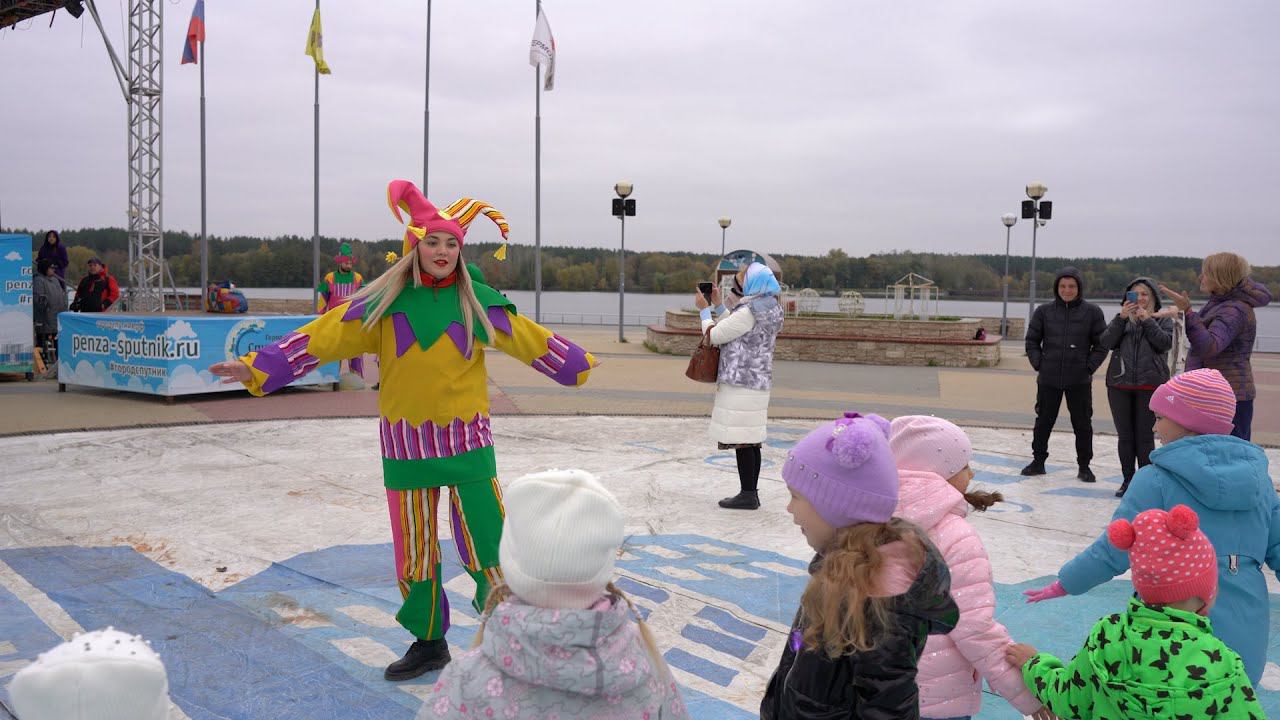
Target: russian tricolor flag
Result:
[[195, 34]]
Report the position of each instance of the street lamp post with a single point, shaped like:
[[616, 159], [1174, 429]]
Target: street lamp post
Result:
[[622, 207], [1034, 209], [1008, 219], [724, 225]]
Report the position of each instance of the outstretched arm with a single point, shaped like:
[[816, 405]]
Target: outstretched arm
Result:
[[556, 357], [336, 335]]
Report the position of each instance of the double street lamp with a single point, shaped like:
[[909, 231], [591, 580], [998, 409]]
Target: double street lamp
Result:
[[1008, 219], [1035, 210], [724, 225], [622, 208]]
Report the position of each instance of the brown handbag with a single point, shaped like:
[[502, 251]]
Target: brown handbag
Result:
[[704, 366]]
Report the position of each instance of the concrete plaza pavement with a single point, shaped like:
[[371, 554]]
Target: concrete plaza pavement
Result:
[[248, 538]]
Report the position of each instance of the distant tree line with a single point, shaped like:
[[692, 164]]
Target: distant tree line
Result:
[[286, 262]]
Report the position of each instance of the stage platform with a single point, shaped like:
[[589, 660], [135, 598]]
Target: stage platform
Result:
[[256, 555], [167, 354]]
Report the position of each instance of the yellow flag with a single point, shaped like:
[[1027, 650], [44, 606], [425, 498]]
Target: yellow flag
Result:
[[315, 44]]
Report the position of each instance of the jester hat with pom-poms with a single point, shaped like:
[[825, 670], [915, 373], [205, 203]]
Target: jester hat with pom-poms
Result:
[[425, 217]]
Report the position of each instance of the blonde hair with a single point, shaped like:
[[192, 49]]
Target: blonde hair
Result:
[[1224, 271], [387, 287], [500, 593], [839, 613]]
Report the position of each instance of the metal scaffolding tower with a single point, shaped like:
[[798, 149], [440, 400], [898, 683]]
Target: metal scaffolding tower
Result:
[[146, 80], [141, 83]]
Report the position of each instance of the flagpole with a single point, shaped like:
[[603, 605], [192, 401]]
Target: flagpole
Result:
[[426, 107], [315, 233], [537, 182], [204, 237]]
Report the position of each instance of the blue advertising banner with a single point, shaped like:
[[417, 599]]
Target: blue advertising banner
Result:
[[17, 331], [166, 354]]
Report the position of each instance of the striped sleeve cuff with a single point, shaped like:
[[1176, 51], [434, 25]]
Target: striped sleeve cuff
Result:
[[563, 361], [285, 361]]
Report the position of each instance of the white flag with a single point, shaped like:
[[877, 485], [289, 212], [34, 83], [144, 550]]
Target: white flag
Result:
[[543, 50]]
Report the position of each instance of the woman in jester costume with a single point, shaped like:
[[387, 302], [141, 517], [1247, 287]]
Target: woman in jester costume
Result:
[[427, 319], [336, 287]]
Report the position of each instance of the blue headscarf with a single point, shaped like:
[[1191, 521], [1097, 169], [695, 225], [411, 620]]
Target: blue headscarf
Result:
[[760, 281]]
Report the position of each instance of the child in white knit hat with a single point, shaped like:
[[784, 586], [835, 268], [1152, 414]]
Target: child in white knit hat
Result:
[[101, 675], [558, 639]]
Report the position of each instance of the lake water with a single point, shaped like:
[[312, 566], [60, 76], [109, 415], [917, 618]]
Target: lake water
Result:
[[601, 308]]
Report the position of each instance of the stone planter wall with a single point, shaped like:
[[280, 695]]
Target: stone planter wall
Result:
[[853, 340]]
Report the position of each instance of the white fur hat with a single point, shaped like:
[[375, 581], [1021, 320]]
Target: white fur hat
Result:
[[100, 675], [560, 538]]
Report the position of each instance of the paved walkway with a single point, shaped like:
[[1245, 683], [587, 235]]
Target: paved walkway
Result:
[[631, 381]]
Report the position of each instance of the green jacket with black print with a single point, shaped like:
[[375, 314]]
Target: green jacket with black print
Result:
[[1147, 662]]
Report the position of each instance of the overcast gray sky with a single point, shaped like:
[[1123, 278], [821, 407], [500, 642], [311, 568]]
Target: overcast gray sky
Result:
[[868, 126]]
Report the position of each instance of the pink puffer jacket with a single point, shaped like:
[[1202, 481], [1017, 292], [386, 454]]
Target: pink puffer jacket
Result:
[[953, 665]]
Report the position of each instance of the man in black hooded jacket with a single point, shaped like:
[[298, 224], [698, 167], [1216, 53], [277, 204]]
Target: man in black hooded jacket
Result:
[[1064, 346]]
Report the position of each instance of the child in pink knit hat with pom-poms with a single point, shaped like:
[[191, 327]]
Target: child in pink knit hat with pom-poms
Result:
[[1225, 480], [1159, 658], [877, 588]]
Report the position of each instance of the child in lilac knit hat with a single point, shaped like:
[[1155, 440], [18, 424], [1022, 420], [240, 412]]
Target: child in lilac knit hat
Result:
[[877, 586]]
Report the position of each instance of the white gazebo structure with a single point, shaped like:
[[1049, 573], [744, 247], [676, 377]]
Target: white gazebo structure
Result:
[[912, 295]]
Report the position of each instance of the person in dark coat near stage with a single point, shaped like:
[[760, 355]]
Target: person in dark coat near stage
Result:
[[55, 252], [97, 290]]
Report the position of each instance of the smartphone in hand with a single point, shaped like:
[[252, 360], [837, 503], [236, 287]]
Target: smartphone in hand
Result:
[[1131, 296], [705, 288]]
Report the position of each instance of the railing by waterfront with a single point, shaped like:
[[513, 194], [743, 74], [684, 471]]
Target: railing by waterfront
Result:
[[638, 320]]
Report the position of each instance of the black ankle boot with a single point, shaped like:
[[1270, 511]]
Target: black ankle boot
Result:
[[1124, 487], [1035, 468], [745, 500], [423, 656], [1086, 475]]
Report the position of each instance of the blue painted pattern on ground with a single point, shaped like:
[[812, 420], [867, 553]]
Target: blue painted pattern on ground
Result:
[[277, 637], [22, 628], [731, 624], [222, 661]]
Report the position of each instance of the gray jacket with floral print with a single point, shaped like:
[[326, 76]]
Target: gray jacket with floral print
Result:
[[747, 361], [536, 663]]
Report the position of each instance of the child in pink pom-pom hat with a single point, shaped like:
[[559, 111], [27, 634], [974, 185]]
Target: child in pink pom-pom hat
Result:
[[1159, 658], [877, 586], [1225, 481]]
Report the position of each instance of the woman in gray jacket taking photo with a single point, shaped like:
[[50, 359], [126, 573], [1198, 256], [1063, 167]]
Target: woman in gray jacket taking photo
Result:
[[1139, 342]]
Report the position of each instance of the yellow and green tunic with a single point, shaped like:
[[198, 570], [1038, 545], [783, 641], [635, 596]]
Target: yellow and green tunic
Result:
[[433, 404], [335, 287]]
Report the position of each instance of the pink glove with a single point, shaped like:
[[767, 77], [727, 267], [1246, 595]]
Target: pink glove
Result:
[[1048, 592]]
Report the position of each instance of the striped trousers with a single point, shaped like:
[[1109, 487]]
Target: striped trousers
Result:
[[475, 517]]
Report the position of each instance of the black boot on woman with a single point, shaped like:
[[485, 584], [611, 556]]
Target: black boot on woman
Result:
[[748, 477]]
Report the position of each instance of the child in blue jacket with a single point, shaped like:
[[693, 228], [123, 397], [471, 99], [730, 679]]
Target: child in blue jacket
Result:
[[1224, 479]]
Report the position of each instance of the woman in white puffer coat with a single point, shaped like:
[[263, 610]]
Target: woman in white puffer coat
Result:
[[745, 335], [933, 472]]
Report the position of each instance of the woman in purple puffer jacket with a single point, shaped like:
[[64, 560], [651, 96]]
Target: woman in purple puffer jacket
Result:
[[1222, 333]]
